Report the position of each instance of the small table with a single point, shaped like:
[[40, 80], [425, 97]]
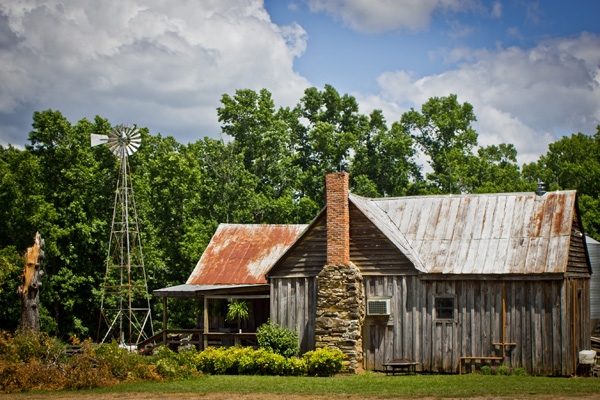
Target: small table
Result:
[[400, 364]]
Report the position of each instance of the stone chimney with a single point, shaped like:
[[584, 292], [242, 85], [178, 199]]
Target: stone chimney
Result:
[[338, 220], [340, 298]]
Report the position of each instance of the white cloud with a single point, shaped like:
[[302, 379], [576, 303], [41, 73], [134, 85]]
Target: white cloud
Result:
[[159, 65], [376, 16], [526, 97], [497, 10]]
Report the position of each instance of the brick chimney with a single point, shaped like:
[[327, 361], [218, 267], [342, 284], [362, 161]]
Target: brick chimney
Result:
[[340, 293], [338, 220]]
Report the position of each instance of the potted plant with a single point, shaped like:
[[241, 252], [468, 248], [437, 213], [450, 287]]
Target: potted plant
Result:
[[238, 310]]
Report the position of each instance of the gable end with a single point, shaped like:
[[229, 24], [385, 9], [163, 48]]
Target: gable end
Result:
[[372, 252], [308, 255], [578, 262]]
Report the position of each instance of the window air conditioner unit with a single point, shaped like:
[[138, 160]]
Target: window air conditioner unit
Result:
[[378, 307]]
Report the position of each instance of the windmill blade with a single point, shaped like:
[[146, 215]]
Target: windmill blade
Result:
[[98, 139], [133, 147], [122, 140], [115, 147]]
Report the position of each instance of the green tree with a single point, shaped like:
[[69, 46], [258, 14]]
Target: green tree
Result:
[[444, 133], [573, 163], [57, 186], [383, 164], [495, 170], [263, 138], [325, 142]]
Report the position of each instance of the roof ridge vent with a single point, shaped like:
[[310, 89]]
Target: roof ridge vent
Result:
[[541, 188]]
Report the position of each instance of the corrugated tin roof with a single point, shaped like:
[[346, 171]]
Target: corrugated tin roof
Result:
[[195, 290], [242, 254], [520, 233]]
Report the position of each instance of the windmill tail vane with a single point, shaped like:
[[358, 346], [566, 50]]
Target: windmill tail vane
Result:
[[125, 305]]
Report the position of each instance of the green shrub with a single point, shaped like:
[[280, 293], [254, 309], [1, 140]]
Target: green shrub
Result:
[[519, 372], [277, 339], [213, 361], [268, 363], [503, 370], [486, 370], [324, 361], [247, 361], [173, 365], [295, 366]]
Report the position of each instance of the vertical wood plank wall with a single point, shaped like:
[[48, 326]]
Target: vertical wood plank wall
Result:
[[541, 317], [293, 306]]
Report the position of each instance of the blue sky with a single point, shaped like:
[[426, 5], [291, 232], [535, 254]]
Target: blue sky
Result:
[[362, 56], [531, 69]]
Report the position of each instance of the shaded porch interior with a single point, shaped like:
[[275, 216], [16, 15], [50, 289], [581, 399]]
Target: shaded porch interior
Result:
[[211, 327]]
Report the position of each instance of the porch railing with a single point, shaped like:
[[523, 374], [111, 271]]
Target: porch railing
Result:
[[196, 337]]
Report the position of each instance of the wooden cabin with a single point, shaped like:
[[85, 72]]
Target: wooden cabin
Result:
[[451, 282]]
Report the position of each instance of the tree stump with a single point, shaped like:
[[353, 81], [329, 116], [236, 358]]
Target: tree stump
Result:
[[29, 288]]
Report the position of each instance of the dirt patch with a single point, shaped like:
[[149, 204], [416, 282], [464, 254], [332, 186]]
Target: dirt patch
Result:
[[234, 396]]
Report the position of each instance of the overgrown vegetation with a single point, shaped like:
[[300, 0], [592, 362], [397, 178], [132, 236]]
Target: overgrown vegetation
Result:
[[40, 362]]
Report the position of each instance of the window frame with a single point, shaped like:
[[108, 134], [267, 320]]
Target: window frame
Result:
[[437, 308]]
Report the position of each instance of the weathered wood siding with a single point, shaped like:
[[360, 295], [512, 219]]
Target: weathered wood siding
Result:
[[308, 256], [577, 330], [537, 319], [578, 258], [371, 251], [293, 306]]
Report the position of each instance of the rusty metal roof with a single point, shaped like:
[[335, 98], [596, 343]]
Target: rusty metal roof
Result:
[[520, 233], [242, 254]]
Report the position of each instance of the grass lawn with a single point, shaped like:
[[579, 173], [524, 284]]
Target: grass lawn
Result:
[[367, 385]]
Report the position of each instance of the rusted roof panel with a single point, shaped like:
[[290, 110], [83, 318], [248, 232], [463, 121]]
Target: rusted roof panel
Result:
[[519, 233], [242, 254]]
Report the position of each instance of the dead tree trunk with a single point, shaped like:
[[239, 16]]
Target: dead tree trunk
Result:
[[30, 287]]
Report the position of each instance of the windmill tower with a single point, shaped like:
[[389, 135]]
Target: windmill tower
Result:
[[125, 307]]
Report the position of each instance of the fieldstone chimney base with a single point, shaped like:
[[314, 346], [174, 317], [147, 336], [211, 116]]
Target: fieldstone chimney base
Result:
[[341, 312]]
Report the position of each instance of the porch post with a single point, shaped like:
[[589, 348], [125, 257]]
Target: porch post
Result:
[[205, 323], [164, 304]]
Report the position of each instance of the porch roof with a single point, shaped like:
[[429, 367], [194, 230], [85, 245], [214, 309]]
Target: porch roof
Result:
[[192, 290]]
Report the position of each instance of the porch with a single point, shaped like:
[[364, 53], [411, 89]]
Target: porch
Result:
[[211, 328]]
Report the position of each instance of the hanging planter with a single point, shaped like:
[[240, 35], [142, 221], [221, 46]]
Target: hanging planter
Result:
[[238, 310]]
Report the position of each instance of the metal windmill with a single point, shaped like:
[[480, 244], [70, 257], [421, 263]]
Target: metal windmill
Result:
[[125, 306]]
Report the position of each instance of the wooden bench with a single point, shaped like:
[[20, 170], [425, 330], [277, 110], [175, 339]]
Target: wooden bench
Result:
[[401, 364]]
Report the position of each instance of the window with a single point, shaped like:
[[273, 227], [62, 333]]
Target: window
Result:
[[444, 308]]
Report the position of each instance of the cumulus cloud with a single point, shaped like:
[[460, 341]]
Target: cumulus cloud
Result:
[[526, 97], [376, 16], [159, 65]]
